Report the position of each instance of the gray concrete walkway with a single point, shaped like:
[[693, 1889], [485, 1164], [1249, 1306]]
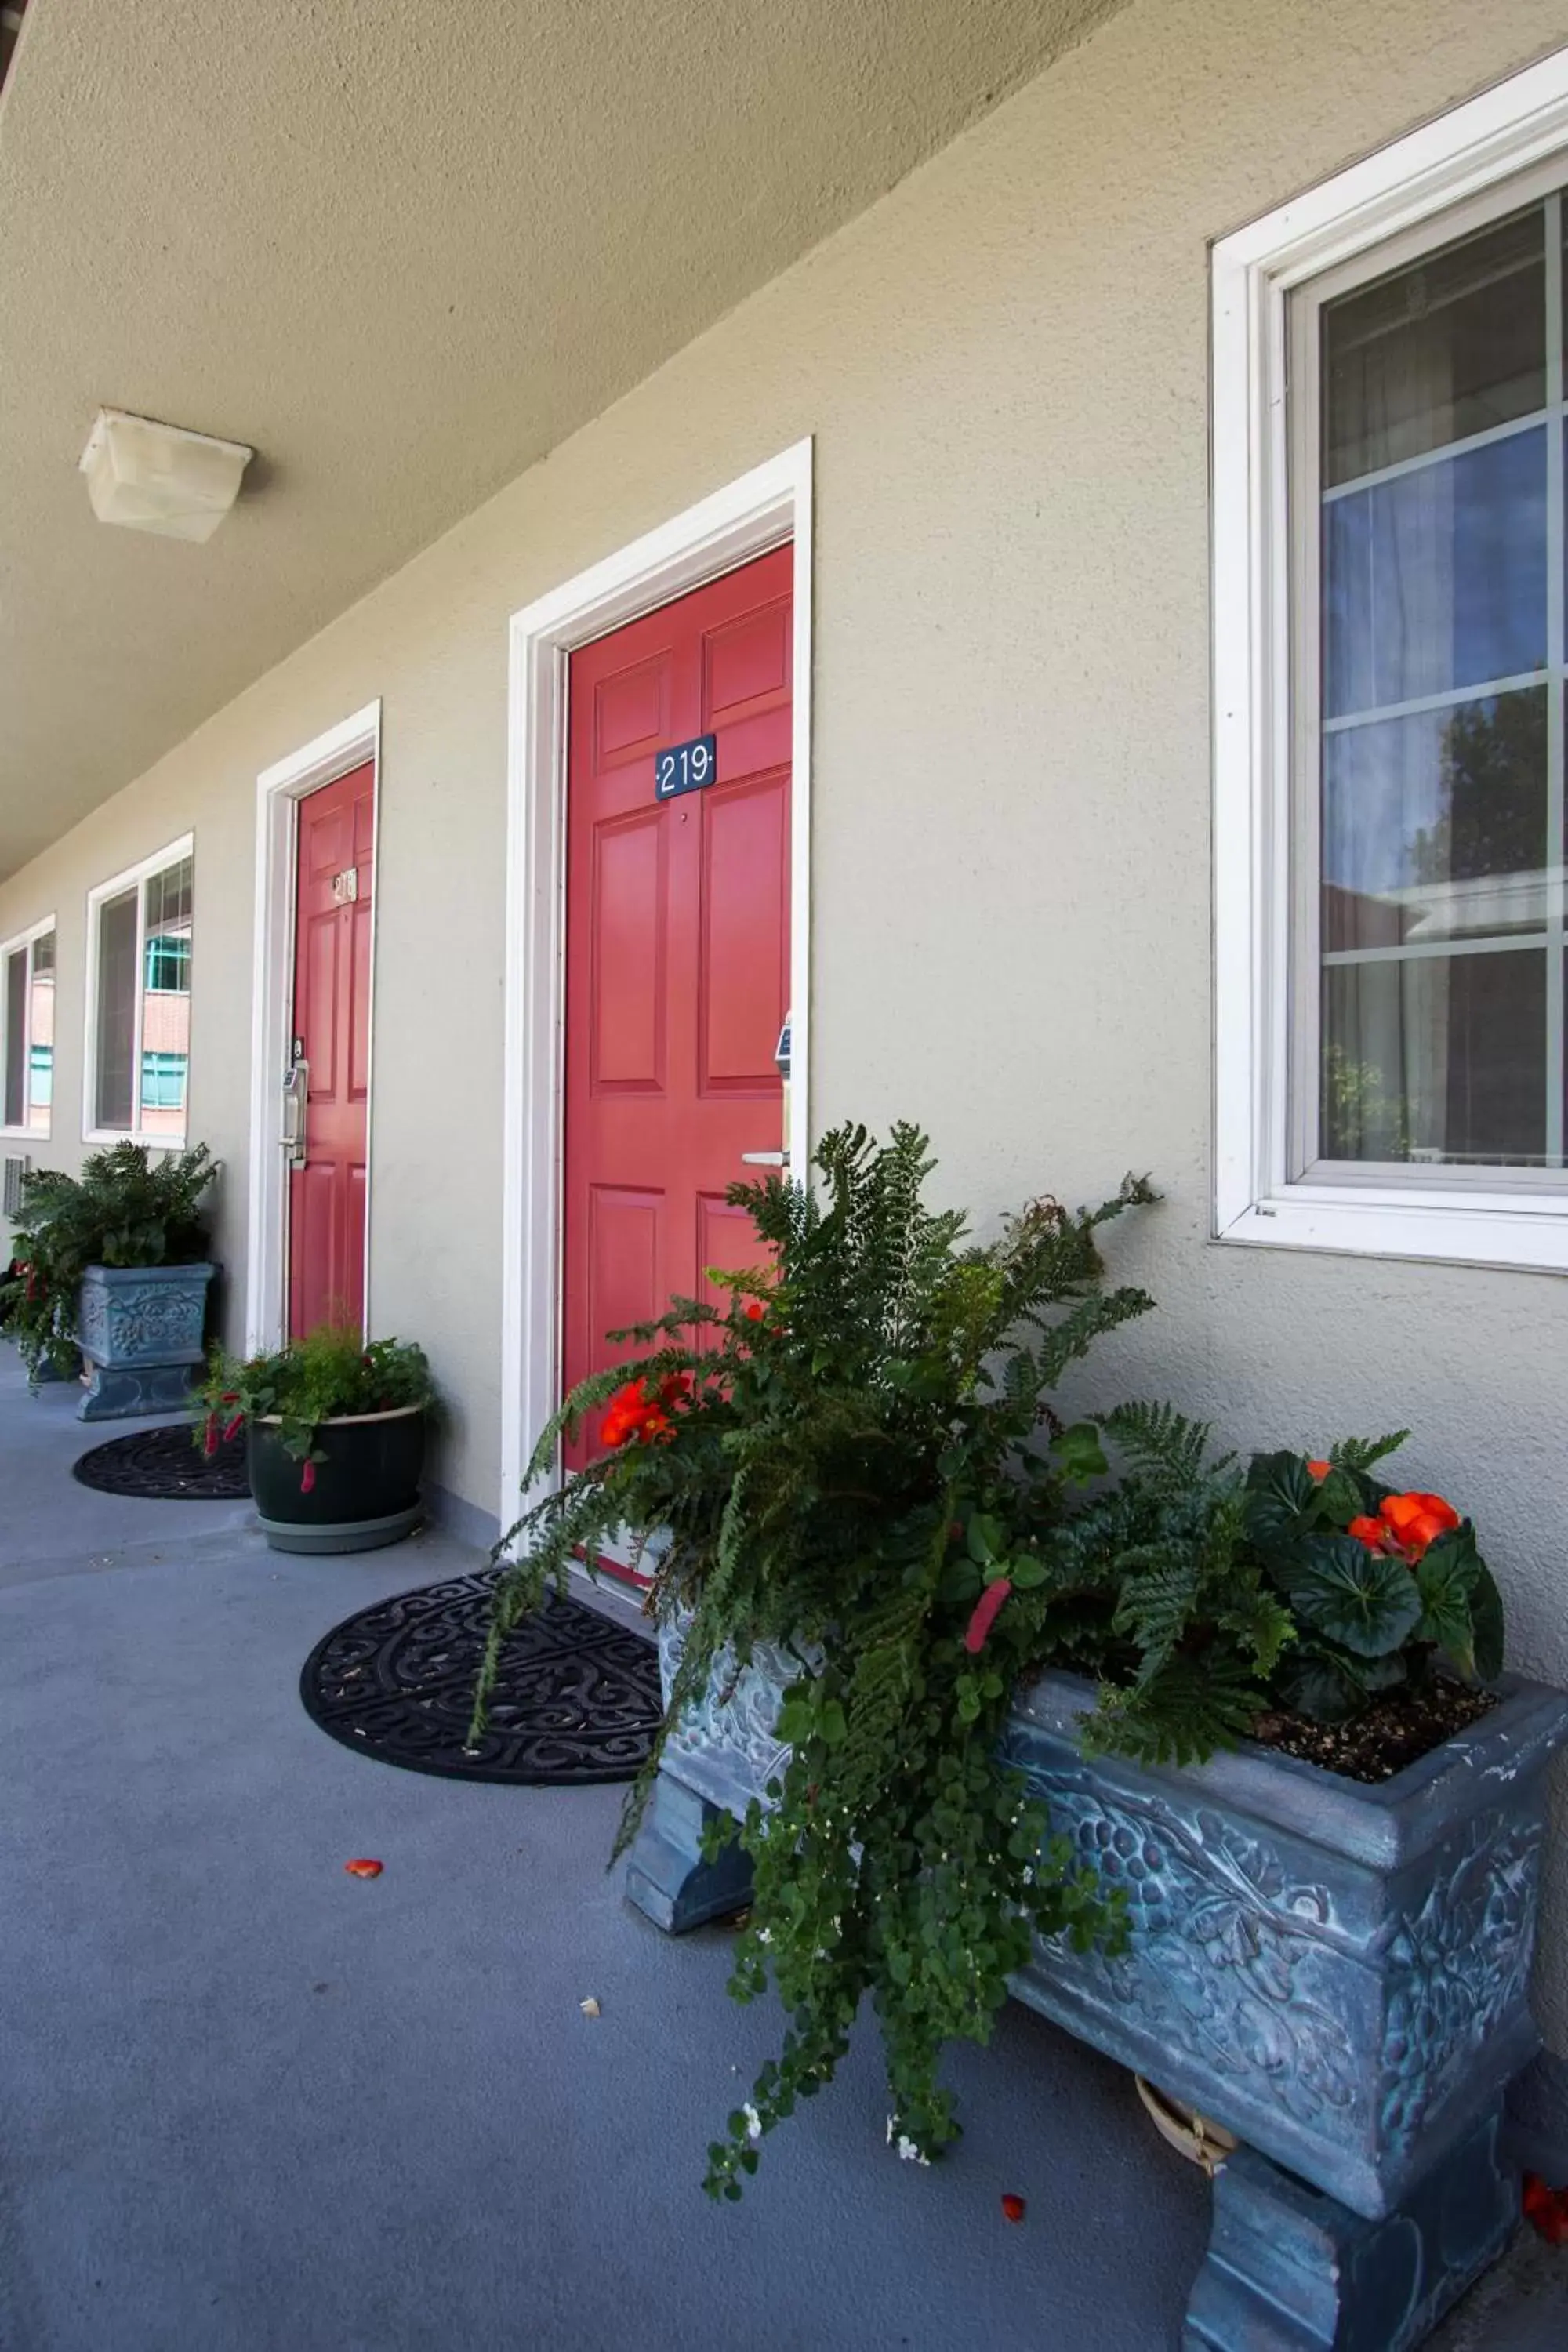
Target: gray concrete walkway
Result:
[[248, 2104]]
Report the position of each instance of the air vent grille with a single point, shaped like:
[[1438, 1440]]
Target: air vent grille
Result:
[[11, 1175]]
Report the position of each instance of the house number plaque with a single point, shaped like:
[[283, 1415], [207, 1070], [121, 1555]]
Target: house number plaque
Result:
[[685, 767], [345, 886]]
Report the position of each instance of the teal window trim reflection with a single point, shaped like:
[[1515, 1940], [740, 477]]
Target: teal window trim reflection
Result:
[[168, 965], [41, 1076], [163, 1078]]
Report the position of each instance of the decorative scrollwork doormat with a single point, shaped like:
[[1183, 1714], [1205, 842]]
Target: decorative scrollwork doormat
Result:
[[167, 1466], [577, 1697]]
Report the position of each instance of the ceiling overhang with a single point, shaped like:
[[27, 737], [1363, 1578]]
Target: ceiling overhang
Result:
[[401, 251]]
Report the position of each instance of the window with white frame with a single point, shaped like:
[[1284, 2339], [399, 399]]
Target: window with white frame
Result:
[[139, 1000], [27, 1031], [1391, 563]]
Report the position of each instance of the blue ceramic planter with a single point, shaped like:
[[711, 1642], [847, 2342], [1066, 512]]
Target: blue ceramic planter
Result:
[[1337, 1972], [140, 1329]]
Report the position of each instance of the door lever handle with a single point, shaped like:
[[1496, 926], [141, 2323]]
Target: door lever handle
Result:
[[765, 1159], [296, 1086]]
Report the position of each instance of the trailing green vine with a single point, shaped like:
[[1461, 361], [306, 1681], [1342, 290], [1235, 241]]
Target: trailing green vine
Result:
[[856, 1455]]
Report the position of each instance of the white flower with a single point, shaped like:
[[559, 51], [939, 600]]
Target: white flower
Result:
[[753, 2123], [1028, 1878], [764, 1935], [910, 2152]]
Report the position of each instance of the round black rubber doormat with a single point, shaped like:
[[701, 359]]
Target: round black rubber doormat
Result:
[[167, 1466], [577, 1697]]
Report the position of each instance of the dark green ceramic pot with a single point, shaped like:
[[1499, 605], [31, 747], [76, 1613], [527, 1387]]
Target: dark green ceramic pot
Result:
[[364, 1494]]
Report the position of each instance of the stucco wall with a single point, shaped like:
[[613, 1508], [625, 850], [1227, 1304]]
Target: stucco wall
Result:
[[1004, 364]]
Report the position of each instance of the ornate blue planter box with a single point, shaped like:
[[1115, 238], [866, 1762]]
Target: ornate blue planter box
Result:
[[1337, 1972], [140, 1329]]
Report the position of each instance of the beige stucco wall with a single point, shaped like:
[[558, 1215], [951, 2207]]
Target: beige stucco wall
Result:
[[1004, 364]]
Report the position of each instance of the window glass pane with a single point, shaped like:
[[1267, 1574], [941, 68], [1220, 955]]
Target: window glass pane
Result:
[[114, 1090], [14, 1028], [1436, 1059], [1440, 887], [163, 1083], [166, 1000], [1435, 825], [1454, 345], [41, 1035], [1437, 578]]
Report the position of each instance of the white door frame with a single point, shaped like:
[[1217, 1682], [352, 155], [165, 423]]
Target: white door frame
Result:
[[764, 508], [278, 790]]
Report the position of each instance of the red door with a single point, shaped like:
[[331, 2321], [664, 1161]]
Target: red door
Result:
[[332, 1030], [677, 951]]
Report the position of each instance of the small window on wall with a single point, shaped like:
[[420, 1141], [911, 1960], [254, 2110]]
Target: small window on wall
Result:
[[1390, 671], [139, 1000], [27, 1032]]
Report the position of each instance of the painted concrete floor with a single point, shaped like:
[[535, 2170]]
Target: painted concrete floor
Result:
[[248, 2104]]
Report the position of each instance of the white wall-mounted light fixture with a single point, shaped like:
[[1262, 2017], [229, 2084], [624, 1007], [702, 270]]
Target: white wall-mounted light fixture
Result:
[[159, 476]]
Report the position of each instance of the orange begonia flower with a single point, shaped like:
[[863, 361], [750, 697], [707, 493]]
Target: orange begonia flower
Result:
[[1370, 1532], [1417, 1520], [1320, 1470]]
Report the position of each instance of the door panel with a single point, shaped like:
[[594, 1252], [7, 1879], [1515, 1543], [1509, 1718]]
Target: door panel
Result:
[[327, 1196], [678, 952]]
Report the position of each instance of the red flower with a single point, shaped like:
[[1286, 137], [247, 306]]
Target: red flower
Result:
[[209, 1440], [754, 1311], [235, 1426], [306, 1476], [633, 1411], [1370, 1532], [628, 1408], [362, 1867], [1320, 1470], [1417, 1521], [1013, 2208], [986, 1613], [1546, 2210]]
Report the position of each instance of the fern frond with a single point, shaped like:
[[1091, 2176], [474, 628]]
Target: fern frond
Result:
[[1160, 1441], [1362, 1453]]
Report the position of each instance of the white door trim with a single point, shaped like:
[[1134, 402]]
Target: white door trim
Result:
[[279, 789], [765, 507]]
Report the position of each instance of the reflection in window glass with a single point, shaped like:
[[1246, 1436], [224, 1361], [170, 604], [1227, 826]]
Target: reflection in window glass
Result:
[[41, 1035], [166, 1000], [144, 1007], [14, 1029], [115, 1093], [1441, 786], [1435, 825], [28, 1035], [1438, 578], [1436, 1058], [1431, 355]]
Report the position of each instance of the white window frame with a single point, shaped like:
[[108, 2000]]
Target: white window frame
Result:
[[1518, 1220], [133, 876], [38, 930]]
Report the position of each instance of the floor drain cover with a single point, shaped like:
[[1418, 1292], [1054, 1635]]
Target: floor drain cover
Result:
[[577, 1697], [167, 1466]]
